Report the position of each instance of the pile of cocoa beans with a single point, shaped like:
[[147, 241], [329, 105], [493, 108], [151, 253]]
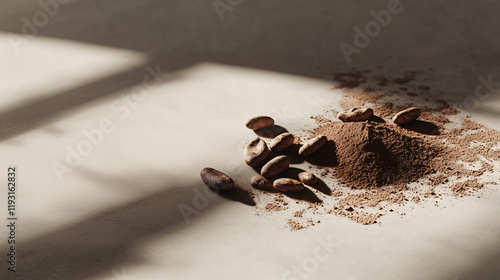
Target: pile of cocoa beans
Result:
[[257, 153]]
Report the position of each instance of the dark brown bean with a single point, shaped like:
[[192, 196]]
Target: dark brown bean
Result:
[[356, 114], [256, 152], [307, 178], [216, 180], [288, 185], [275, 166], [406, 116], [259, 122], [281, 142], [260, 182], [313, 145]]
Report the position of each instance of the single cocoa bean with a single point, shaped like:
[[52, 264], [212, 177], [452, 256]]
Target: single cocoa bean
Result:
[[281, 142], [256, 152], [288, 185], [260, 182], [275, 166], [307, 178], [259, 122], [356, 114], [216, 180], [406, 115], [313, 145]]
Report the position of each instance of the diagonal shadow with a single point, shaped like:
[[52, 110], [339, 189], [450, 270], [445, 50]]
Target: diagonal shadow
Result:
[[35, 114], [103, 240], [165, 31]]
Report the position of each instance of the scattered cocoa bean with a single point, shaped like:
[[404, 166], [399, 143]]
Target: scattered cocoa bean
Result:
[[281, 142], [275, 166], [313, 145], [406, 115], [216, 180], [288, 185], [356, 114], [307, 178], [260, 182], [256, 152], [259, 122]]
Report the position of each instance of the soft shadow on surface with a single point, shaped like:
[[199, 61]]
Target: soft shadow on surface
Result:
[[108, 236], [293, 173], [270, 132], [322, 187], [423, 127], [175, 34], [193, 30], [37, 113], [238, 194], [377, 119], [326, 156], [306, 195], [487, 268], [293, 154]]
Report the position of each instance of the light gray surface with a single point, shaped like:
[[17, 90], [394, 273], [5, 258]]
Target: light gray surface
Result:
[[116, 215]]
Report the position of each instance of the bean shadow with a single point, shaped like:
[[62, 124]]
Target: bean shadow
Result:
[[293, 154], [270, 132], [293, 173], [322, 187], [377, 119], [238, 194], [326, 156], [306, 194], [423, 127], [270, 190]]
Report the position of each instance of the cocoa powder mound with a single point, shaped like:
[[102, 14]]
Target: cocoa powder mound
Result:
[[371, 154]]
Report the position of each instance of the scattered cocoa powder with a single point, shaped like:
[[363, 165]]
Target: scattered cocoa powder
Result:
[[299, 214], [349, 79], [445, 108], [295, 225], [466, 188], [439, 179], [278, 204], [360, 217], [385, 110], [410, 76]]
